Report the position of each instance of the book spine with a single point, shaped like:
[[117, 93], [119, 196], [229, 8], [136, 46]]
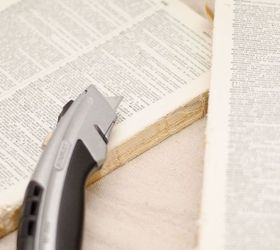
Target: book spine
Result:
[[210, 8]]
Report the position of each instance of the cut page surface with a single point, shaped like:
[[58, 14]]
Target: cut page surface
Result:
[[240, 208], [154, 54]]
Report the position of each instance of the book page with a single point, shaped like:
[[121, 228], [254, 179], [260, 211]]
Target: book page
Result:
[[156, 54], [241, 193]]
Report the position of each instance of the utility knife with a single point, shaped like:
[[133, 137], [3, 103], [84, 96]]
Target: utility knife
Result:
[[53, 210]]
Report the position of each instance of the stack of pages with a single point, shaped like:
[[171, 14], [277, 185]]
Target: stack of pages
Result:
[[156, 54], [241, 190]]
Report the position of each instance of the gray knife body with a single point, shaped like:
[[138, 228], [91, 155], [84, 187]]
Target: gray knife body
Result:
[[52, 215]]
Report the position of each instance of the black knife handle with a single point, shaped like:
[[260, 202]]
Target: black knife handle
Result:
[[29, 216], [71, 211]]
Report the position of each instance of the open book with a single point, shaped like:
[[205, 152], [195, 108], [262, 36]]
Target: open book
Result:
[[156, 54], [241, 193]]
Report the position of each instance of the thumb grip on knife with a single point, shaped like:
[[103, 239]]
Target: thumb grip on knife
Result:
[[71, 211]]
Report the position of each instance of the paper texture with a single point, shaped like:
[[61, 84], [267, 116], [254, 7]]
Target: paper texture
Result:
[[154, 54], [241, 194]]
